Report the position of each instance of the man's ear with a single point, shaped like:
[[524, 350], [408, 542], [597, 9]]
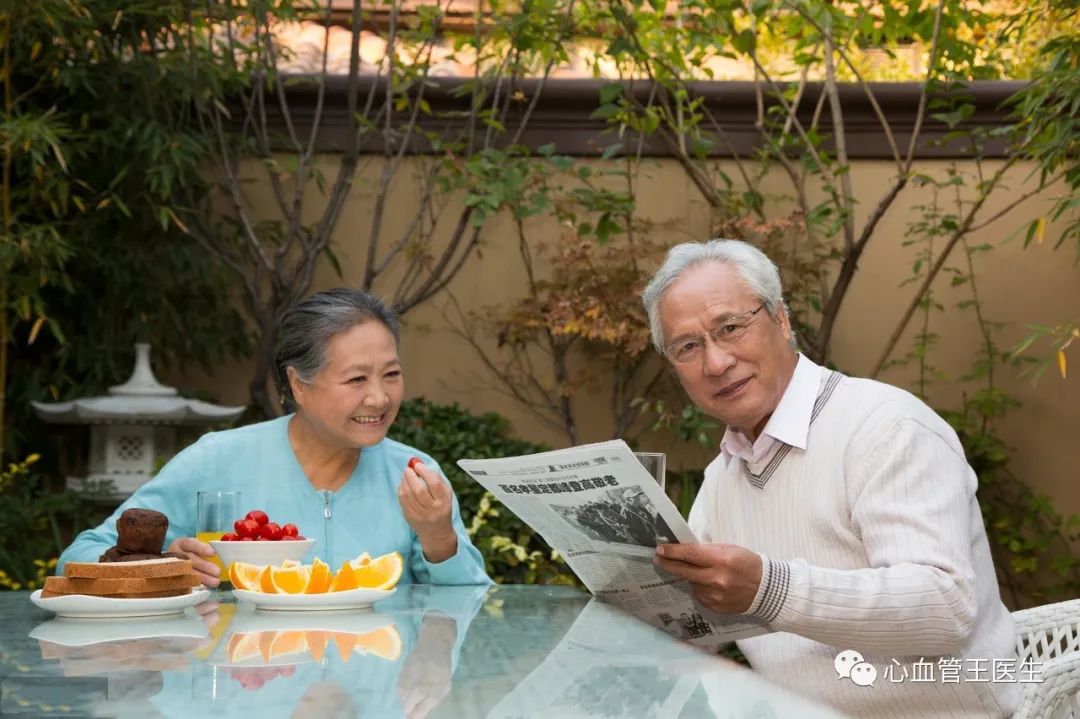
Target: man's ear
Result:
[[784, 321]]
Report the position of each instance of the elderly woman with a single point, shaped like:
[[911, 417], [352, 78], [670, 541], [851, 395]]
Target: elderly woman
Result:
[[327, 467]]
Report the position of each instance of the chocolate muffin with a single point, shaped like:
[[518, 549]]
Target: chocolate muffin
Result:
[[141, 531]]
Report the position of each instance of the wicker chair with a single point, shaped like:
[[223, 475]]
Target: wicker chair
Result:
[[1050, 634]]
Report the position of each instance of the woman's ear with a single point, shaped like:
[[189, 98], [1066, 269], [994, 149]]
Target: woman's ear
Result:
[[296, 385]]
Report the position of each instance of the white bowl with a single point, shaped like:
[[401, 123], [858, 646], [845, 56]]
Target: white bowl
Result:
[[265, 552]]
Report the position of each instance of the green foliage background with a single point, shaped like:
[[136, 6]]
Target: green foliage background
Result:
[[513, 552]]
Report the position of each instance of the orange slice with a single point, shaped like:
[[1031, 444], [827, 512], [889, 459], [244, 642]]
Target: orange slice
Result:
[[345, 644], [319, 581], [384, 642], [316, 643], [288, 642], [242, 647], [345, 579], [381, 573], [266, 580], [291, 580], [245, 576], [360, 561], [266, 641], [290, 563]]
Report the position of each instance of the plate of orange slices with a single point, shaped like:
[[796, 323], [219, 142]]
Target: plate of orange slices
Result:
[[292, 586]]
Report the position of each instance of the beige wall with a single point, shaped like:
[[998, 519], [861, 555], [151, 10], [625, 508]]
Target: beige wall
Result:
[[1018, 286]]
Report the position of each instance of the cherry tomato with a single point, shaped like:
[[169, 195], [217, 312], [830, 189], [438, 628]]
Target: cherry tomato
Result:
[[270, 531], [230, 537], [289, 530], [294, 538], [415, 461], [238, 527], [258, 515], [247, 528], [247, 539]]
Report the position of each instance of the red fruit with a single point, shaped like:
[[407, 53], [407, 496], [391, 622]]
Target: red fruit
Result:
[[258, 515], [271, 531], [289, 530], [249, 528], [292, 538], [230, 537], [415, 461], [247, 539]]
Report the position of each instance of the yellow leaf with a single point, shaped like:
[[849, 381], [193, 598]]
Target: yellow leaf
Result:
[[1040, 230], [35, 329], [1061, 363], [35, 50]]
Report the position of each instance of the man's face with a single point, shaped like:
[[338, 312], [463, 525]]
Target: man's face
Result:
[[741, 382]]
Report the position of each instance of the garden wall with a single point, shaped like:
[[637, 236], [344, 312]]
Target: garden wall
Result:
[[1018, 286]]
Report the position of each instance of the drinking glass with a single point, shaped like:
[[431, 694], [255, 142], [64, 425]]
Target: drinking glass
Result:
[[215, 513], [656, 464]]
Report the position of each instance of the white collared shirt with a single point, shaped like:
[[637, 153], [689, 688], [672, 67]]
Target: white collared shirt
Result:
[[790, 421]]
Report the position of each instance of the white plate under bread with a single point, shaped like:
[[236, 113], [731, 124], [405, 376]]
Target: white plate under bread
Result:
[[78, 605]]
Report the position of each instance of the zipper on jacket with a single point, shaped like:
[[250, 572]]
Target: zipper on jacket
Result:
[[327, 516]]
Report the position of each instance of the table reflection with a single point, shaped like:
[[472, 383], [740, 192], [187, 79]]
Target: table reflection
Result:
[[425, 652]]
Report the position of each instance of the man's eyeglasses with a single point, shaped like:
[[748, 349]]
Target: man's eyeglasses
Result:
[[727, 334]]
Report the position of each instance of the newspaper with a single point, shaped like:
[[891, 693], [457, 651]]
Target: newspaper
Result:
[[598, 507]]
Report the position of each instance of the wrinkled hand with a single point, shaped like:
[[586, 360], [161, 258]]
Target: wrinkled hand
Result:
[[427, 502], [724, 577], [425, 679], [208, 612], [195, 550]]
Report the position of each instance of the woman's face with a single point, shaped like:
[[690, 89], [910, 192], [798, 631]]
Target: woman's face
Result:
[[354, 398]]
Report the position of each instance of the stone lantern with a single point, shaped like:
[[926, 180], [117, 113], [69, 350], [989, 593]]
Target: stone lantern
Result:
[[134, 426]]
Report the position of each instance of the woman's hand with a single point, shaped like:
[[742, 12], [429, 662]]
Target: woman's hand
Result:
[[428, 502], [209, 573], [425, 679]]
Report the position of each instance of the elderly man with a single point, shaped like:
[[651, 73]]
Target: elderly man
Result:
[[840, 511]]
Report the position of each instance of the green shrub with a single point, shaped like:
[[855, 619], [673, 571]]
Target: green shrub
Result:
[[513, 552], [36, 524]]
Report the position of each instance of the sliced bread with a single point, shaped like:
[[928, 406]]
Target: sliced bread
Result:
[[59, 591], [143, 569], [108, 587]]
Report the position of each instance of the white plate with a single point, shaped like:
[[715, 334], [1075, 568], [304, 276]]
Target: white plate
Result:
[[82, 606], [325, 602], [84, 632], [253, 621]]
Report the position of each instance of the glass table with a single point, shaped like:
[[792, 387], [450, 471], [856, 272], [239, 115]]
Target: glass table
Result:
[[507, 651]]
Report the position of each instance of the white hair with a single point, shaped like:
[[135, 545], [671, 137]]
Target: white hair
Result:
[[760, 274]]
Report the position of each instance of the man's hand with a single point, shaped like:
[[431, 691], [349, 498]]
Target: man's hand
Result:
[[725, 578], [193, 549], [427, 502]]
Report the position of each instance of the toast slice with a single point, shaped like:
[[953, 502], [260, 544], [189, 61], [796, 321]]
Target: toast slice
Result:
[[49, 593], [109, 587], [143, 569]]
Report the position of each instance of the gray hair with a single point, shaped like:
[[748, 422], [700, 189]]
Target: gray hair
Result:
[[760, 274], [307, 328]]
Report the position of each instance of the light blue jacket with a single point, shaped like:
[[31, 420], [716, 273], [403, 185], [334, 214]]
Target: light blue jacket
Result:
[[362, 516]]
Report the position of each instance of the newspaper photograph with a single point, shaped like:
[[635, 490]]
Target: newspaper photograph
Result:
[[602, 510]]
